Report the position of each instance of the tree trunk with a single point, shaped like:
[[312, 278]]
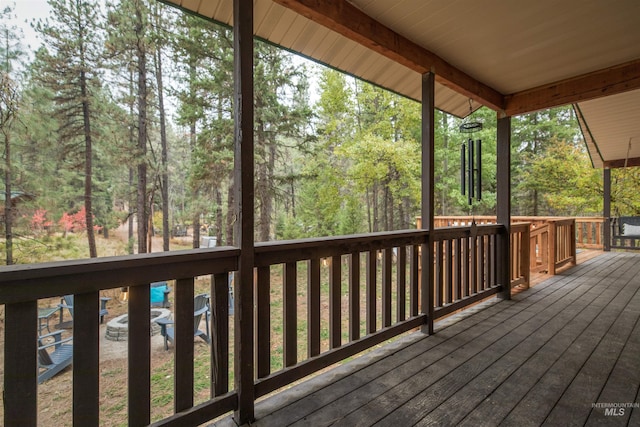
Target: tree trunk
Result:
[[132, 142], [218, 196], [88, 166], [231, 212], [376, 218], [142, 133], [164, 181], [8, 207]]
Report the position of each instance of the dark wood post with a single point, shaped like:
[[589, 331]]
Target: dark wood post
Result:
[[607, 209], [139, 346], [20, 364], [428, 147], [86, 359], [503, 178], [244, 191]]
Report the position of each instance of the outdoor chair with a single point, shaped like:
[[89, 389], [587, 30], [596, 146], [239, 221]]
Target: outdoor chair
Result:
[[51, 363], [200, 308], [67, 302], [160, 294]]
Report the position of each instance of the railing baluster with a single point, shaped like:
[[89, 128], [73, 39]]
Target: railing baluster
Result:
[[481, 263], [458, 268], [183, 351], [371, 291], [474, 265], [449, 271], [86, 359], [386, 287], [290, 315], [466, 266], [263, 321], [414, 272], [139, 345], [401, 272], [438, 272], [220, 334], [20, 364], [313, 307], [335, 302], [354, 296]]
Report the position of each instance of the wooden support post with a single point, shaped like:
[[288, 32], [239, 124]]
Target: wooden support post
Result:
[[503, 177], [139, 346], [428, 147], [220, 335], [183, 345], [21, 364], [86, 359], [607, 209], [244, 193], [552, 250]]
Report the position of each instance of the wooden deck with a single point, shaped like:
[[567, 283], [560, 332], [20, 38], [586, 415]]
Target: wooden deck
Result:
[[547, 357]]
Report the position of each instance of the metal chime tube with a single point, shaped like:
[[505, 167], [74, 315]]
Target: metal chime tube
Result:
[[479, 169], [470, 170], [463, 168]]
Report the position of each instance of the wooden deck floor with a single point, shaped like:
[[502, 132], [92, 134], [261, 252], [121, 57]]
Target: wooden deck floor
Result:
[[547, 357]]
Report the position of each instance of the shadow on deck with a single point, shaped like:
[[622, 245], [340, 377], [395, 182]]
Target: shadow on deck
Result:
[[563, 352]]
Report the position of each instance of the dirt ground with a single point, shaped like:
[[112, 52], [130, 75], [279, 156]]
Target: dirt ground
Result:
[[54, 396]]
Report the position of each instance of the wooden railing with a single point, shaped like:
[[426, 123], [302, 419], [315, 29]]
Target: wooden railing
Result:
[[562, 244], [590, 232], [21, 286], [539, 249], [521, 254], [464, 266], [552, 241], [359, 291]]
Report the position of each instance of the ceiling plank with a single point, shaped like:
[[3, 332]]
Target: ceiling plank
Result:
[[349, 21], [609, 81], [621, 163]]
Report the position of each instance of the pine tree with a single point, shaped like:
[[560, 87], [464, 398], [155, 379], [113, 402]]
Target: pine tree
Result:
[[72, 62], [10, 53]]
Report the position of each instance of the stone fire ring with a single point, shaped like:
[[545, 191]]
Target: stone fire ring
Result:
[[118, 327]]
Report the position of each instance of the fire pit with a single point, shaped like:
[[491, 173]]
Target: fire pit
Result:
[[118, 327]]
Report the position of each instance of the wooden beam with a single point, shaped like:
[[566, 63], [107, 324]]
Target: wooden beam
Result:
[[609, 81], [427, 207], [606, 208], [503, 204], [622, 163], [244, 191], [349, 21]]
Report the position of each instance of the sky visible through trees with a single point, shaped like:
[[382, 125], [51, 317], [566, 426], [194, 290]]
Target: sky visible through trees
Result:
[[131, 119]]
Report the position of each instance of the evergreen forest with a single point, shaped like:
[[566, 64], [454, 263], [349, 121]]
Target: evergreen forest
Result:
[[122, 118]]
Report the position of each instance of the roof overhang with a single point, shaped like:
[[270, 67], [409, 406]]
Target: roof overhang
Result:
[[514, 57]]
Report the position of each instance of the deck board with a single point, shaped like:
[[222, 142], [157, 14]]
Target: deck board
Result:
[[545, 357]]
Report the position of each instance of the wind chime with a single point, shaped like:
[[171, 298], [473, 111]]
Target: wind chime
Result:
[[471, 161]]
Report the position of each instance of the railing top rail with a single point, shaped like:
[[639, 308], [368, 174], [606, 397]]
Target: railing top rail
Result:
[[268, 253], [277, 252], [520, 226], [458, 232], [28, 282], [564, 221]]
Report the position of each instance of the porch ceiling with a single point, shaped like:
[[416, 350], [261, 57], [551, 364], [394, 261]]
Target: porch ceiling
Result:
[[515, 57]]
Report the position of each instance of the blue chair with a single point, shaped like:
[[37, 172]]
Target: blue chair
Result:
[[51, 363], [67, 302], [200, 308], [160, 294]]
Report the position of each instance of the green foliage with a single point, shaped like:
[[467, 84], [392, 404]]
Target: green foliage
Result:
[[565, 181], [350, 162], [625, 199]]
